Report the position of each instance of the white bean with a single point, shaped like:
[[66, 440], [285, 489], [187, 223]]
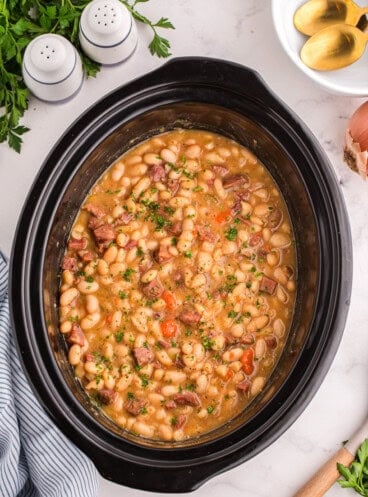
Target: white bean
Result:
[[75, 354], [87, 287], [175, 377], [149, 276], [90, 321], [110, 254], [68, 296], [152, 159], [168, 155], [257, 385], [141, 186], [218, 186]]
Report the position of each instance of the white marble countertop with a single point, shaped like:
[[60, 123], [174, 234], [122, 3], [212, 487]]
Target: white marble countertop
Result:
[[241, 31]]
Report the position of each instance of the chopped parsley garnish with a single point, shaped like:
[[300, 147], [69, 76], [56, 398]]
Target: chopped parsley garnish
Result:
[[90, 279], [128, 273], [237, 220], [169, 210], [174, 421], [143, 410], [188, 333], [207, 342], [197, 189], [98, 379], [119, 335], [232, 314], [188, 254], [130, 395], [183, 159], [80, 273], [144, 381], [122, 294], [112, 192], [231, 233], [190, 387], [140, 252], [174, 241], [210, 409]]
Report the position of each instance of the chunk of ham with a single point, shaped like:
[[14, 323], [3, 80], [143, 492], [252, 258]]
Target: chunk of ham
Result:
[[190, 316], [170, 404], [173, 185], [94, 223], [153, 289], [162, 255], [107, 396], [235, 181], [134, 406], [75, 244], [131, 244], [179, 422], [271, 341], [243, 386], [105, 233], [157, 173], [255, 239], [187, 398], [206, 235], [124, 219], [220, 170], [86, 255], [94, 210], [76, 335], [267, 285], [69, 263], [143, 356], [176, 228]]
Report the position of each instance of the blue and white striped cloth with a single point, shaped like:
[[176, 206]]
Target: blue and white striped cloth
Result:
[[36, 460]]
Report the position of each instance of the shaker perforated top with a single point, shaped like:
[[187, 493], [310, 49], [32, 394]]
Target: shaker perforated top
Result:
[[106, 23], [49, 59]]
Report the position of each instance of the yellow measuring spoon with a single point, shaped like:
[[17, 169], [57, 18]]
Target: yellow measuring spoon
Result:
[[319, 14], [334, 47]]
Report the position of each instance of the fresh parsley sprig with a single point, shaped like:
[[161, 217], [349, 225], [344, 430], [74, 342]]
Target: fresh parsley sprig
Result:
[[356, 475], [159, 46], [23, 20]]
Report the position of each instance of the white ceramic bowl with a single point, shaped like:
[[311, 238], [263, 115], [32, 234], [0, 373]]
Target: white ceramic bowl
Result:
[[351, 80]]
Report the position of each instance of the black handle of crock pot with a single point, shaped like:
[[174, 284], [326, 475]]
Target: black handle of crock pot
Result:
[[213, 72]]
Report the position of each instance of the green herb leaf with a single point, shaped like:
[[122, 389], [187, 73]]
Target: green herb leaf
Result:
[[231, 233], [356, 475]]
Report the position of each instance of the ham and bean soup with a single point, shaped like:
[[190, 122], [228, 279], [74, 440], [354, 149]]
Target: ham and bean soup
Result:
[[178, 285]]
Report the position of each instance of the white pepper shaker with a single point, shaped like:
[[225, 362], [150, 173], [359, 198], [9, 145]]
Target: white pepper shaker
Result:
[[107, 31], [52, 68]]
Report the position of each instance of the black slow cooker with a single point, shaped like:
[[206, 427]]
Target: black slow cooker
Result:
[[234, 101]]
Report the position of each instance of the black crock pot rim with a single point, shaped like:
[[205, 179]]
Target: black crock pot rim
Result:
[[327, 351]]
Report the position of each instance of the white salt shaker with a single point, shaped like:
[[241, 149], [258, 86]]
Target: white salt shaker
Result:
[[52, 68], [107, 31]]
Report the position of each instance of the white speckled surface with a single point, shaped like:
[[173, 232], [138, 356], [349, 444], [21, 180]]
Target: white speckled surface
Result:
[[241, 31]]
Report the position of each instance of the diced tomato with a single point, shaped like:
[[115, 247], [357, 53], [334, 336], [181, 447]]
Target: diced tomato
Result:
[[230, 373], [247, 361], [169, 299], [222, 216], [169, 328]]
